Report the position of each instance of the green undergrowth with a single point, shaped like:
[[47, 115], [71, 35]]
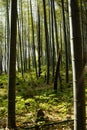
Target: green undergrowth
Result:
[[33, 95]]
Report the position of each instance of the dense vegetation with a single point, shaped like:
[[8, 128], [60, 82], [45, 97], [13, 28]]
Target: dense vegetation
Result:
[[43, 49], [33, 95]]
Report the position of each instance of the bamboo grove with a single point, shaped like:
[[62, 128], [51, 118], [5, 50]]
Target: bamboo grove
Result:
[[43, 39], [38, 23]]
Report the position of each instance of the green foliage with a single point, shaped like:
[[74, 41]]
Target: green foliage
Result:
[[3, 96], [33, 94], [3, 107], [20, 105], [3, 111]]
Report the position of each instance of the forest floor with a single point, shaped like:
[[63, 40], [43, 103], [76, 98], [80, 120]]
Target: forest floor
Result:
[[34, 96]]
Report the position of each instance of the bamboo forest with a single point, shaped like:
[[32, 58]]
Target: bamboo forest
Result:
[[43, 69]]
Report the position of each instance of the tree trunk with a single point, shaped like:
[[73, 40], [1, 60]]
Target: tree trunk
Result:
[[1, 57], [53, 47], [5, 67], [57, 72], [33, 40], [56, 28], [22, 33], [65, 41], [19, 35], [29, 60], [39, 45], [12, 68], [25, 52], [8, 31], [77, 66], [47, 41]]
